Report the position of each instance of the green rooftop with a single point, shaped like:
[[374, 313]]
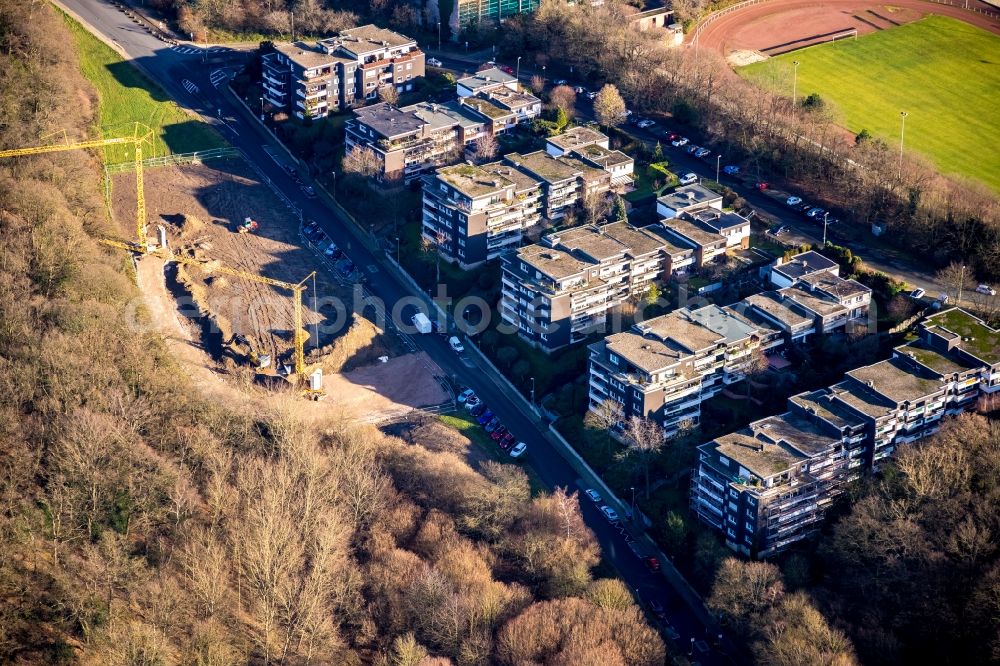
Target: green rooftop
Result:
[[978, 339]]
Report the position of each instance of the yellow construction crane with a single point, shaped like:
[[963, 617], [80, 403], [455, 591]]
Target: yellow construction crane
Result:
[[299, 333], [140, 136]]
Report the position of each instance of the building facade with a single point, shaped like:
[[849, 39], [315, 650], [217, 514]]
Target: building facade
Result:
[[770, 484], [314, 80]]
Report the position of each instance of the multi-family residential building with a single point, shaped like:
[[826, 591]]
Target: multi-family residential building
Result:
[[707, 244], [473, 213], [591, 147], [412, 139], [573, 139], [556, 292], [484, 81], [686, 199], [786, 272], [468, 14], [665, 367], [314, 80], [769, 485], [565, 180]]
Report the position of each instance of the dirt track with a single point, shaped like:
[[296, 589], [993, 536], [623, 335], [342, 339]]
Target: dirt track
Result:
[[763, 26]]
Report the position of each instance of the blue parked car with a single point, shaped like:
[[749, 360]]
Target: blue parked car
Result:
[[485, 417]]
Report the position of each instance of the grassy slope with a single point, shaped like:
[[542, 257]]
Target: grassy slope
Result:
[[127, 96], [944, 73]]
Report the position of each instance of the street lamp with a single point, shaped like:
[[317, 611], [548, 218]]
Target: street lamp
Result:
[[633, 501], [439, 35], [795, 79], [262, 109], [532, 391], [517, 75], [825, 215], [902, 130], [397, 250], [718, 161]]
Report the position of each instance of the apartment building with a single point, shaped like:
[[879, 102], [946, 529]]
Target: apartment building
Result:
[[565, 180], [817, 303], [573, 139], [468, 14], [687, 199], [557, 292], [314, 80], [769, 485], [591, 147], [484, 81], [786, 272], [706, 243], [474, 213], [415, 138], [665, 367]]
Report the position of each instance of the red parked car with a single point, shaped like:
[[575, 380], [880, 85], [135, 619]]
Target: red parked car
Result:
[[652, 564], [498, 434], [762, 186]]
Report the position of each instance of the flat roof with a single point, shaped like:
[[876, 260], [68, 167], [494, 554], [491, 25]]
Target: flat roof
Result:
[[796, 431], [637, 240], [771, 303], [366, 38], [977, 338], [942, 364], [687, 196], [718, 220], [523, 182], [670, 245], [589, 241], [835, 285], [577, 137], [440, 116], [487, 77], [683, 330], [760, 458], [305, 55], [512, 99], [646, 353], [389, 121], [546, 167], [894, 380], [472, 181], [487, 108], [814, 301], [597, 153], [552, 262], [805, 264], [693, 231], [722, 322], [862, 399], [822, 404]]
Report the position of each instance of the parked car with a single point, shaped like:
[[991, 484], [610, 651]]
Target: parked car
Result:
[[646, 123], [793, 201], [508, 69], [762, 185], [702, 152], [518, 450], [492, 425], [498, 433], [917, 293], [815, 213], [777, 231], [628, 112], [609, 513], [651, 563], [691, 149], [473, 402], [308, 191], [331, 250], [456, 345], [478, 410], [671, 633], [560, 82], [507, 441], [593, 495], [485, 417], [464, 396], [580, 90], [670, 136], [592, 94], [657, 608], [290, 170], [679, 141], [688, 178], [337, 254], [986, 289], [433, 62], [731, 170]]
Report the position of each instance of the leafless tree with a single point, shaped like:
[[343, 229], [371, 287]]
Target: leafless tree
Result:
[[643, 438], [389, 94], [596, 207], [564, 97], [486, 147], [537, 84], [955, 277], [606, 415], [363, 162]]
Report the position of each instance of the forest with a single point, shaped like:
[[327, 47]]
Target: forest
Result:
[[141, 523]]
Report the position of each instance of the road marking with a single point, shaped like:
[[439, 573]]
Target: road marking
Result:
[[189, 86], [219, 77], [372, 268], [186, 50]]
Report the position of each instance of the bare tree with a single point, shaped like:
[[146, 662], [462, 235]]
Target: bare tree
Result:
[[537, 84], [609, 107], [564, 97], [955, 277], [362, 161], [486, 147], [643, 438], [606, 415], [389, 94], [596, 207]]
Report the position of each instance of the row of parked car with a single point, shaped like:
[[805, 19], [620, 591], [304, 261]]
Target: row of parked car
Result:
[[491, 423], [342, 264]]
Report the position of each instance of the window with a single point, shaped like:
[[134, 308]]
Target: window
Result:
[[749, 527], [748, 538], [724, 460], [730, 531], [733, 493]]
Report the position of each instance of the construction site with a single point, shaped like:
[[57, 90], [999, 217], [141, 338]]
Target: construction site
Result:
[[231, 284]]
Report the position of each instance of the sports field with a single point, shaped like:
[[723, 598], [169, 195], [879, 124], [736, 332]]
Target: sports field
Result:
[[944, 73]]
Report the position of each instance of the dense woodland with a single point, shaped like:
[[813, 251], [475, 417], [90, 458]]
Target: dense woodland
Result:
[[141, 523]]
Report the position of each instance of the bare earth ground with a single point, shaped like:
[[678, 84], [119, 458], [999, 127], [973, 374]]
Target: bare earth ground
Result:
[[768, 25], [221, 194]]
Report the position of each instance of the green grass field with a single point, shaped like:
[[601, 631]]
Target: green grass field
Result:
[[127, 96], [944, 73]]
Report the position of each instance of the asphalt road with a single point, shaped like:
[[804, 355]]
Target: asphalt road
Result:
[[176, 69]]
